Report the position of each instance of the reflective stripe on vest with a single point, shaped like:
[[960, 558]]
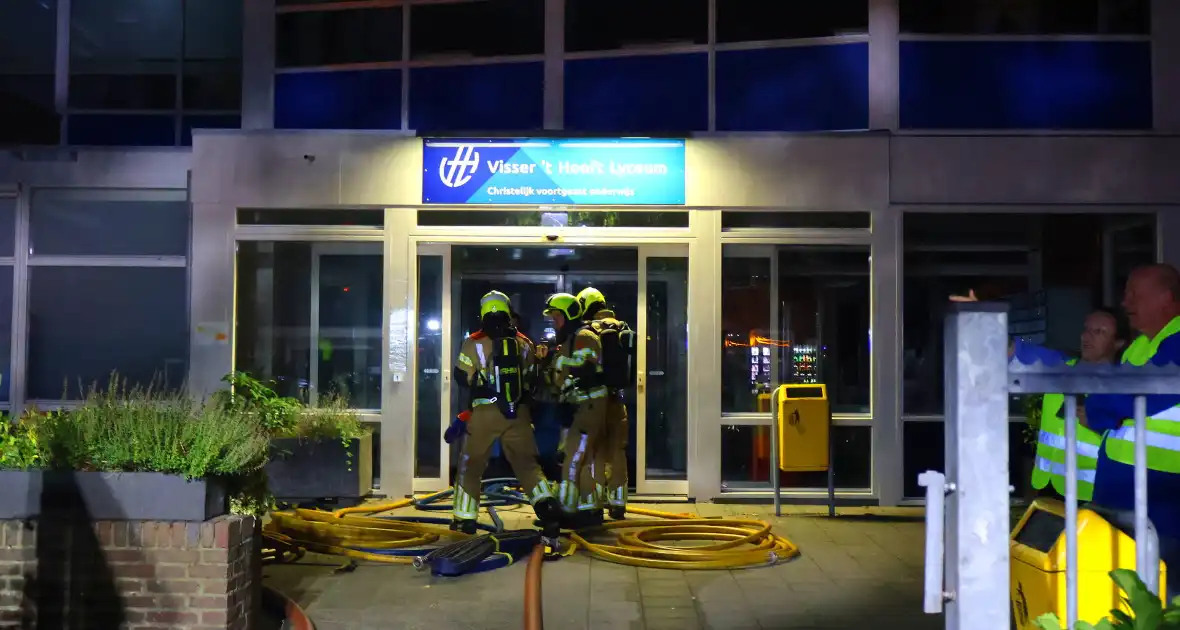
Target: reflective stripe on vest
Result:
[[1050, 461], [1163, 428]]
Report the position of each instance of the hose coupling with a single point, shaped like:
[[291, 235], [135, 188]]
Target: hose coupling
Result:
[[420, 562]]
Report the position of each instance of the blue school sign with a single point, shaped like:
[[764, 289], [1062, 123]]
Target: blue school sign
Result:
[[583, 172]]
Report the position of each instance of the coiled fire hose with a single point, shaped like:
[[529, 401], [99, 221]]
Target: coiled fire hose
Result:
[[427, 542]]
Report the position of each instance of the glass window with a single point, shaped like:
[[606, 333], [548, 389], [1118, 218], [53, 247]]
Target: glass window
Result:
[[1049, 267], [577, 218], [481, 28], [68, 223], [86, 323], [745, 460], [28, 35], [804, 320], [612, 24], [5, 332], [309, 318], [336, 37], [762, 20], [124, 54], [7, 226], [667, 368], [431, 367], [213, 54], [741, 220], [368, 218], [1042, 17]]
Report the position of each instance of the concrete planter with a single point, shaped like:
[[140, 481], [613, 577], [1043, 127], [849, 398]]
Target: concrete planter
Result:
[[303, 470], [134, 496]]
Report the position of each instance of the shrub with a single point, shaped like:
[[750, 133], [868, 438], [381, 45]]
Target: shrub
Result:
[[142, 430], [1148, 611], [20, 446]]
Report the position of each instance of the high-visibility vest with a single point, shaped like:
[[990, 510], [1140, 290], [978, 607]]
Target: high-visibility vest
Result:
[[1163, 427], [1049, 466]]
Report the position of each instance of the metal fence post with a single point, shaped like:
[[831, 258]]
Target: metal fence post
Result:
[[976, 395]]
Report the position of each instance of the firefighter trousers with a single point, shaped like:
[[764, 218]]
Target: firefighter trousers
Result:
[[581, 481], [611, 455], [486, 425]]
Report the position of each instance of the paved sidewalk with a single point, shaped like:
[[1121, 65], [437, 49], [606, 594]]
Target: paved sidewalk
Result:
[[860, 570]]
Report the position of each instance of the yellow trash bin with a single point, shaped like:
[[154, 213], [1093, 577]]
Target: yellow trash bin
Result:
[[804, 427]]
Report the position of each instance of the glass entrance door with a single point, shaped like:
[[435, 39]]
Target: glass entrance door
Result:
[[643, 284]]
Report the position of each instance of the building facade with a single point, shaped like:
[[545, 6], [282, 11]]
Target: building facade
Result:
[[844, 171]]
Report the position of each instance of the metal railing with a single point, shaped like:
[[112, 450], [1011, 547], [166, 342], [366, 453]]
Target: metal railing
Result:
[[967, 509]]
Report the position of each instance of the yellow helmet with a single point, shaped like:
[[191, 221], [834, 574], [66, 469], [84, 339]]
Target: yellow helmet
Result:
[[494, 302], [589, 297], [564, 303]]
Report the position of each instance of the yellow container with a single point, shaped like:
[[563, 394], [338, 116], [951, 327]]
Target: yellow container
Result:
[[804, 427], [1038, 564]]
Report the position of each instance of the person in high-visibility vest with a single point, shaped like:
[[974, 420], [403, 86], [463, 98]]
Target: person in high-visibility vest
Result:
[[1152, 302], [1103, 338], [1104, 335]]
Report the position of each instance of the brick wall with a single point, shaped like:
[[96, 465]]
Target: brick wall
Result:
[[144, 575]]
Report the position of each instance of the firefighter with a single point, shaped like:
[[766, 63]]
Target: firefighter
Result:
[[578, 370], [618, 363], [496, 365]]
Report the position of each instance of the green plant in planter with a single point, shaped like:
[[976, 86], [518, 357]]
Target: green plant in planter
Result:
[[123, 429], [246, 394], [331, 419], [20, 447], [1148, 611]]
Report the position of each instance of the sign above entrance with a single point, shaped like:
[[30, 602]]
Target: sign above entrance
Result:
[[583, 172]]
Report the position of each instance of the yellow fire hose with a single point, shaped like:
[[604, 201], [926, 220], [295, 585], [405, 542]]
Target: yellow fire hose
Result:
[[354, 533]]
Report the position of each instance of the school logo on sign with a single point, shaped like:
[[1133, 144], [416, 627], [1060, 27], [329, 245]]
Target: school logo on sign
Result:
[[457, 171]]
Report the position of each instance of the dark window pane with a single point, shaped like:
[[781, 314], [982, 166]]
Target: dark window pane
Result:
[[492, 97], [324, 38], [7, 227], [87, 322], [123, 130], [611, 24], [632, 94], [275, 339], [99, 223], [578, 218], [1063, 85], [124, 54], [373, 218], [5, 332], [745, 460], [797, 88], [27, 35], [213, 121], [760, 20], [341, 99], [738, 220], [1040, 17], [1050, 267], [924, 448], [213, 54], [431, 367], [483, 28]]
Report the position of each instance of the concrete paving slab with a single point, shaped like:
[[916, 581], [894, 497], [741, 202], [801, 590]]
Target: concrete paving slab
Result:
[[860, 570]]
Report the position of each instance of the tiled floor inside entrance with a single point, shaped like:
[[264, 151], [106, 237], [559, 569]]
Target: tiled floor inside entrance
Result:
[[862, 569]]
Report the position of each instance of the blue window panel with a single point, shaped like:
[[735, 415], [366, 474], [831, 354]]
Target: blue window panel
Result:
[[804, 88], [502, 96], [206, 122], [349, 99], [1025, 85], [121, 130], [638, 94]]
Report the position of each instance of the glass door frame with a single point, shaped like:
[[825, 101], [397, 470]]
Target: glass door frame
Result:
[[649, 244]]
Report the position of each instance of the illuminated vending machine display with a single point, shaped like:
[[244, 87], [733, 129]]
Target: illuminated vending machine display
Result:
[[759, 369], [805, 364]]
